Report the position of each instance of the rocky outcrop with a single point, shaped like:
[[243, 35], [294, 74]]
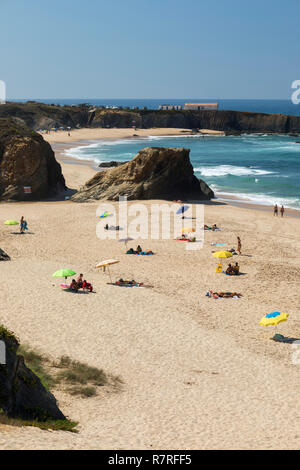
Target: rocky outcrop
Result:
[[42, 116], [4, 256], [26, 160], [22, 394], [154, 173], [111, 164]]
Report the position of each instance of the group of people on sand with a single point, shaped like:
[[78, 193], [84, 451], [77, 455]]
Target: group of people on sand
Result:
[[282, 210], [80, 283], [233, 270], [139, 251]]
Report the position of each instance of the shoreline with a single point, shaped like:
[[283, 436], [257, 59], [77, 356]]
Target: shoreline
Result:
[[90, 166]]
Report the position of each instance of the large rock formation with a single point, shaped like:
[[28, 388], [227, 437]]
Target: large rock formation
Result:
[[22, 394], [26, 160], [154, 173]]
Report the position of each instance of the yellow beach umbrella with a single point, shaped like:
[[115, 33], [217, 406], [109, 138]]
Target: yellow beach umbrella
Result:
[[188, 230], [106, 264], [222, 254], [273, 319]]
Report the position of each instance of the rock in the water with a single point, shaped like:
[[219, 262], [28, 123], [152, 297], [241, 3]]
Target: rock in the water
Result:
[[4, 256], [154, 173], [22, 394], [111, 164], [26, 160]]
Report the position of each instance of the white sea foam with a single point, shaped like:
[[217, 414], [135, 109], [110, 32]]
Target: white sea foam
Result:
[[224, 170], [261, 199]]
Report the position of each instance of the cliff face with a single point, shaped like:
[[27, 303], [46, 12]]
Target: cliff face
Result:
[[227, 121], [42, 116], [26, 160], [154, 173]]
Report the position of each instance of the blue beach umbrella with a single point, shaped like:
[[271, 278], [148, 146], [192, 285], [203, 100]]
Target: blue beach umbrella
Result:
[[182, 209]]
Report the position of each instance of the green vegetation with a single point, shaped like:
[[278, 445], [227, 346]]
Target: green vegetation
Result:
[[36, 362], [7, 335], [59, 425], [76, 378]]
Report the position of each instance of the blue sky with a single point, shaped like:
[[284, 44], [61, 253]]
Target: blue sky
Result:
[[149, 48]]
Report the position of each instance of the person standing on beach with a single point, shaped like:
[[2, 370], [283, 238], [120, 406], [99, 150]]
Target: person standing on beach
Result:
[[22, 224], [276, 210], [239, 247], [282, 211]]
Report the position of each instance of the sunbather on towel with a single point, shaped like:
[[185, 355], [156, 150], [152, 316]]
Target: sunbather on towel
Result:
[[229, 295]]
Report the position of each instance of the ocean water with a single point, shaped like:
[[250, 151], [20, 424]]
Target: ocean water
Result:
[[257, 106], [259, 169]]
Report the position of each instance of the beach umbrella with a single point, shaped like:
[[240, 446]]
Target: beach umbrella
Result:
[[182, 209], [126, 240], [188, 230], [11, 222], [64, 273], [105, 214], [106, 264], [273, 319], [222, 254]]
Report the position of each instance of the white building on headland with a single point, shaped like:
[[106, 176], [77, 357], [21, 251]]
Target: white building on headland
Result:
[[168, 107], [201, 106]]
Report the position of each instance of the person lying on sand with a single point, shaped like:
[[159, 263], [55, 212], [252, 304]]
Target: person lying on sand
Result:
[[139, 249], [112, 227], [224, 295], [121, 282], [213, 227]]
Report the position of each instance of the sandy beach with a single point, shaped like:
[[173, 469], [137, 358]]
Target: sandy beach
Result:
[[102, 133], [198, 373]]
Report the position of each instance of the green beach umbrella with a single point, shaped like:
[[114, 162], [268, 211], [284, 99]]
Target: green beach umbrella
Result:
[[64, 273], [11, 222]]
